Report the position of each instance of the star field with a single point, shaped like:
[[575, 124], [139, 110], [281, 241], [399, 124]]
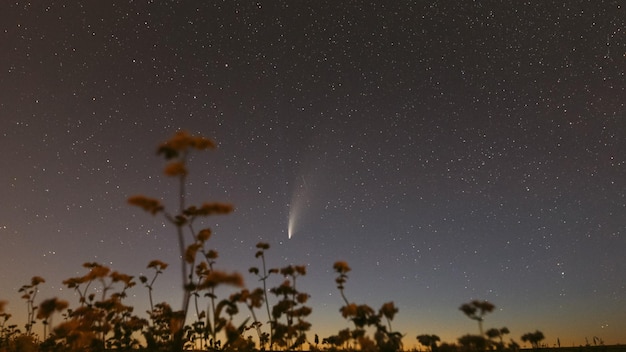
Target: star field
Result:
[[448, 151]]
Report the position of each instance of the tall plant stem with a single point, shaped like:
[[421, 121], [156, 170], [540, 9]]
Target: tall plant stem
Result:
[[267, 303], [186, 280]]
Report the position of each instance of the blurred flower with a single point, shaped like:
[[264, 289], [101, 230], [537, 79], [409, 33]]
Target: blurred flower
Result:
[[96, 271], [302, 297], [176, 168], [73, 282], [388, 310], [287, 271], [159, 265], [204, 235], [126, 279], [49, 306], [300, 269], [190, 253], [341, 267], [215, 278], [181, 142], [215, 208], [36, 280], [349, 311], [211, 254], [262, 245], [150, 205]]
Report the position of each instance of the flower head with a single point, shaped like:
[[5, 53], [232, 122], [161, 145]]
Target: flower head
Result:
[[341, 267], [150, 205]]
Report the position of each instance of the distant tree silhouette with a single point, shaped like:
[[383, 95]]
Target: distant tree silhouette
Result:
[[447, 347], [513, 346], [499, 333], [429, 341], [476, 310], [533, 338], [473, 342]]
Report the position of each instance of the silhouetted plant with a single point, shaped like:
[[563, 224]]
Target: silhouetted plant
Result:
[[291, 334], [497, 333], [534, 338], [6, 332], [103, 322], [176, 152], [29, 294], [342, 339], [448, 347], [159, 333], [476, 310], [97, 323], [253, 300], [364, 316], [514, 346], [429, 341], [158, 267], [596, 341], [47, 309], [209, 280], [473, 342], [263, 276]]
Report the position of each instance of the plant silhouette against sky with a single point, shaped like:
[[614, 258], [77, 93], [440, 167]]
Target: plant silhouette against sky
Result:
[[102, 320]]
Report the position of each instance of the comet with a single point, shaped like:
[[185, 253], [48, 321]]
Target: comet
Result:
[[298, 201], [290, 225], [294, 214]]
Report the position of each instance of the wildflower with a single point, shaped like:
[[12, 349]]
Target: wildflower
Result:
[[302, 311], [256, 298], [388, 310], [300, 269], [204, 235], [302, 297], [96, 271], [47, 307], [288, 270], [66, 328], [190, 253], [159, 265], [181, 142], [341, 267], [126, 279], [73, 282], [202, 269], [215, 208], [284, 289], [349, 310], [150, 205], [262, 246], [36, 280], [215, 278], [176, 168], [211, 254]]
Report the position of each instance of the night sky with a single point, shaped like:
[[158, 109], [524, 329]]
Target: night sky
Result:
[[447, 150]]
